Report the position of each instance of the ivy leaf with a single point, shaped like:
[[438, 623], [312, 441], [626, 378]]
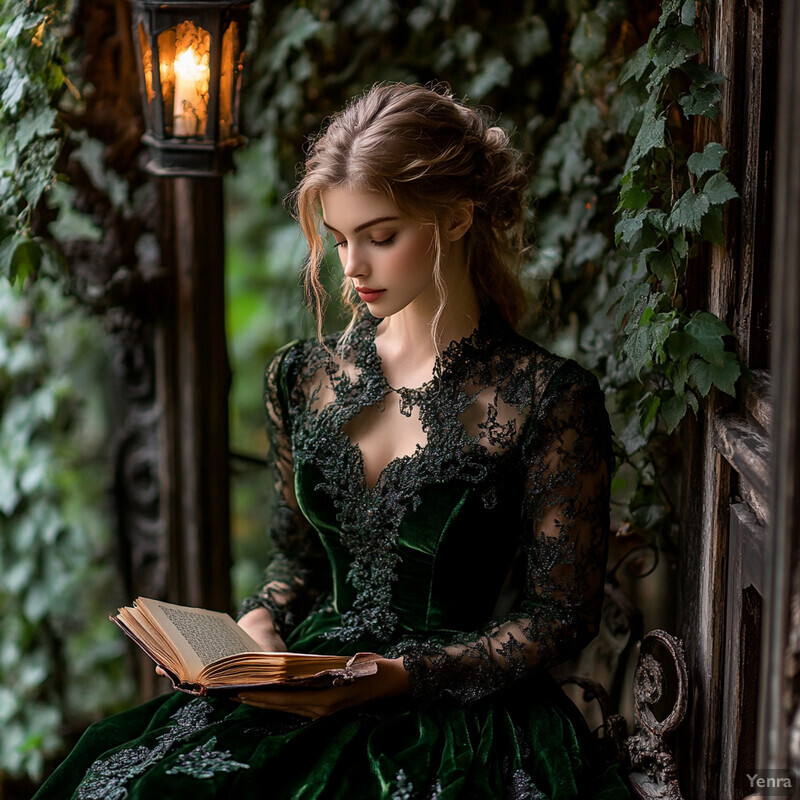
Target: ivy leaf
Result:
[[19, 257], [672, 49], [718, 189], [677, 373], [635, 297], [629, 226], [661, 266], [633, 196], [295, 27], [16, 28], [631, 437], [669, 10], [650, 135], [687, 36], [702, 74], [636, 65], [33, 124], [688, 211], [647, 315], [589, 40], [708, 161], [13, 92], [625, 106], [589, 247], [688, 12], [495, 71], [657, 220], [707, 330], [8, 247], [9, 493], [648, 410], [680, 345], [701, 101], [36, 170], [532, 40], [673, 410], [661, 331], [723, 374], [637, 347], [680, 244]]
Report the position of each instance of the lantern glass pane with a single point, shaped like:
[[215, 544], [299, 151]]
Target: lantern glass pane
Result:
[[147, 65], [184, 55], [228, 81]]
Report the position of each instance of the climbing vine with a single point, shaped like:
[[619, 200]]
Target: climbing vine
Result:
[[669, 201], [55, 583], [31, 80]]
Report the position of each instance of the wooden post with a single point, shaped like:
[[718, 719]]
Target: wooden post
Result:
[[780, 656], [195, 381]]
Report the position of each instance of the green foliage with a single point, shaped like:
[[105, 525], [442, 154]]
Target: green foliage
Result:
[[31, 78], [55, 539], [53, 549], [669, 201]]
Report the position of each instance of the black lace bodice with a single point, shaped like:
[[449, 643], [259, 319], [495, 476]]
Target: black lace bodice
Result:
[[479, 555]]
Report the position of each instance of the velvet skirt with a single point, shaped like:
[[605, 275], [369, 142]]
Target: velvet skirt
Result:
[[527, 741]]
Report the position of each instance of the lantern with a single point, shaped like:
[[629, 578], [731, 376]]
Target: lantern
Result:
[[190, 56]]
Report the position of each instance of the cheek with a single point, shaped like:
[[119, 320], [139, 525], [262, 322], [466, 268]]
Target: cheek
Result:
[[420, 258]]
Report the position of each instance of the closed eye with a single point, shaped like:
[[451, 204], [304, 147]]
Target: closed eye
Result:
[[373, 242]]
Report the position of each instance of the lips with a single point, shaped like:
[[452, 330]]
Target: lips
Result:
[[369, 295]]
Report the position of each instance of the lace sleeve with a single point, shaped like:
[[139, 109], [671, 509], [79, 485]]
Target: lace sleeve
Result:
[[568, 462], [298, 572]]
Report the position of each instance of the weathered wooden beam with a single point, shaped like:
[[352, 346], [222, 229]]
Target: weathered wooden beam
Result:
[[730, 281], [712, 283], [758, 398], [745, 447], [742, 632], [778, 701]]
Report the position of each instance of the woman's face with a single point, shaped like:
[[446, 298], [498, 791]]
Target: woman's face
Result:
[[388, 258]]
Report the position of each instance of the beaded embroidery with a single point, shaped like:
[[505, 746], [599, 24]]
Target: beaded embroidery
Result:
[[204, 762], [106, 778]]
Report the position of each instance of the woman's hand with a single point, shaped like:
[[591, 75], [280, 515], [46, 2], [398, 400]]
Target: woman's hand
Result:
[[391, 679], [258, 623]]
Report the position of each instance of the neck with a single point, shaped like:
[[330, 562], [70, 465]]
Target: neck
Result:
[[407, 342], [412, 328]]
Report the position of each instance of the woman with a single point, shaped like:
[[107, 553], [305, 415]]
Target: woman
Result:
[[443, 491]]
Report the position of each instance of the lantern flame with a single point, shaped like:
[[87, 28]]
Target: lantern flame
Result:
[[190, 66], [191, 92]]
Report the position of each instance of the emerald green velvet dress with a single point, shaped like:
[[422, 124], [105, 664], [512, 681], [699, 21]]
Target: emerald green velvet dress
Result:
[[478, 556]]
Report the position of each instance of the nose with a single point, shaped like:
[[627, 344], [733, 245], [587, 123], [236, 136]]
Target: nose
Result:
[[356, 265]]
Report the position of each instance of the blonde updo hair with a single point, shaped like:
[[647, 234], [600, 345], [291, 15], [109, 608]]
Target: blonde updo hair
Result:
[[426, 152]]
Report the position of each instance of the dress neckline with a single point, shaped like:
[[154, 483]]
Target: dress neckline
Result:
[[455, 354]]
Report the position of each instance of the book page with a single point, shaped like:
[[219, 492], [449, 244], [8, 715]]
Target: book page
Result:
[[200, 635]]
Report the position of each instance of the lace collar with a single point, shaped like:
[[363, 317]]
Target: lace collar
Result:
[[455, 363]]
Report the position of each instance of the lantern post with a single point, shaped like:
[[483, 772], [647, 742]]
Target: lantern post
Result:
[[190, 57]]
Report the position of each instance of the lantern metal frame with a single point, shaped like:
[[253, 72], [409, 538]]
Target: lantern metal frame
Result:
[[190, 156]]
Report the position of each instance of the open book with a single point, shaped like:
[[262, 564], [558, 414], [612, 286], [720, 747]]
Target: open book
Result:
[[206, 652]]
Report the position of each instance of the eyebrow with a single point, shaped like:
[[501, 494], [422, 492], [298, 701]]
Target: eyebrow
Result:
[[364, 225]]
